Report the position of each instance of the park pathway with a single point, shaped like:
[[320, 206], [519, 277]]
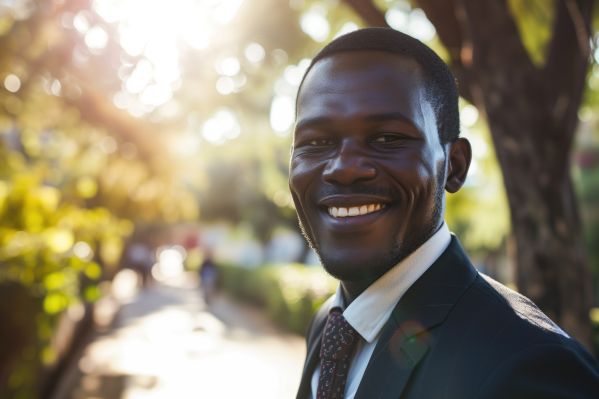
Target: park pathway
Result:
[[166, 343]]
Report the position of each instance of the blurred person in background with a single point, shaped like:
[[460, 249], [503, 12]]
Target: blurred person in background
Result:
[[208, 277], [375, 147], [141, 258]]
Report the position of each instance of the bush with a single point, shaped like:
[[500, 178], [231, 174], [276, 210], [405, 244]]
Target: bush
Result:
[[290, 293], [53, 254]]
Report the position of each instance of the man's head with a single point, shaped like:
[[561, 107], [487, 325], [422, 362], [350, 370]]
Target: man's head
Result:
[[375, 145]]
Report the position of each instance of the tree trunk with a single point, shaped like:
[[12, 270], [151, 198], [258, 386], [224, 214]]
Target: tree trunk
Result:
[[18, 329], [532, 116], [549, 246]]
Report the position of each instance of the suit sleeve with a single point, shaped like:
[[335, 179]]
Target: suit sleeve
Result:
[[544, 372]]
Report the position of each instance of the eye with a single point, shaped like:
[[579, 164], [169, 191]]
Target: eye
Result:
[[314, 145], [320, 142], [387, 138]]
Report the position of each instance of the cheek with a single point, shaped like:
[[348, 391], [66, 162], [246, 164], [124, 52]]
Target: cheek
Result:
[[411, 172], [428, 161], [427, 166], [302, 175], [414, 177], [297, 178], [302, 178]]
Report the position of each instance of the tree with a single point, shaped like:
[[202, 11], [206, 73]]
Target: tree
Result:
[[75, 171], [531, 109]]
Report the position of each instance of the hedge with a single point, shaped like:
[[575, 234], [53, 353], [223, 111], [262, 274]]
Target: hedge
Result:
[[290, 293]]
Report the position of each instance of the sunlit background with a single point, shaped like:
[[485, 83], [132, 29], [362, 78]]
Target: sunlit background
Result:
[[151, 133]]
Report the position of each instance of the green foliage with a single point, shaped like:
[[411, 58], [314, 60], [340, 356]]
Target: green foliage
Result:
[[237, 190], [77, 176], [47, 246], [40, 235], [290, 293], [534, 19]]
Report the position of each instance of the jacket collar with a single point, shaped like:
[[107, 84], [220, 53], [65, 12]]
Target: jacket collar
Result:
[[407, 337], [315, 331]]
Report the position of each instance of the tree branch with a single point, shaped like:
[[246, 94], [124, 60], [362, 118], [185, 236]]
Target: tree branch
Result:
[[369, 12], [96, 109], [567, 59], [580, 13], [569, 46], [440, 14], [566, 69], [444, 15], [497, 32]]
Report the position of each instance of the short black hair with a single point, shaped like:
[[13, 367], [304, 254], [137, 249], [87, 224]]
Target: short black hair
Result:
[[440, 86]]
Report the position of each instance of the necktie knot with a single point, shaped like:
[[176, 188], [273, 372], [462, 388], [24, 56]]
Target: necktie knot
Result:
[[339, 337]]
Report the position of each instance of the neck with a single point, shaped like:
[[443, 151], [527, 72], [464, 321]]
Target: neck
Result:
[[352, 289]]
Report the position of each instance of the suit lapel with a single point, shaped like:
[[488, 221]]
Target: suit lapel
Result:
[[313, 357], [408, 335]]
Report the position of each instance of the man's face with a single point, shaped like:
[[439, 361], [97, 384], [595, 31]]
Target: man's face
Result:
[[367, 168]]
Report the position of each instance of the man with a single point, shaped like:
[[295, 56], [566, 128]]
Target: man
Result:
[[376, 144]]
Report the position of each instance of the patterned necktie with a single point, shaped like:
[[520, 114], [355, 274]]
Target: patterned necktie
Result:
[[337, 347]]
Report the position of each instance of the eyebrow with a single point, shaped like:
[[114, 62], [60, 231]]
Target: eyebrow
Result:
[[383, 117], [309, 122]]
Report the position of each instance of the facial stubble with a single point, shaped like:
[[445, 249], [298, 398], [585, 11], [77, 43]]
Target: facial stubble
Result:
[[398, 251]]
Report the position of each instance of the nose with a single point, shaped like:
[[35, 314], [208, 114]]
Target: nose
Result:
[[349, 165]]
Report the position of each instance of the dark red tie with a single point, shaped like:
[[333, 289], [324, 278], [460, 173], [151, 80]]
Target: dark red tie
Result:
[[337, 347]]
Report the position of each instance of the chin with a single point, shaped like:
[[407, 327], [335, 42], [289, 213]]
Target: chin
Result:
[[359, 267]]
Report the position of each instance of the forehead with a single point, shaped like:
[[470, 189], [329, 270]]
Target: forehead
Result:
[[363, 60], [352, 84]]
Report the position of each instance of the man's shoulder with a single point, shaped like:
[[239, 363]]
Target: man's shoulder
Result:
[[498, 343], [521, 346], [509, 306], [486, 306], [494, 323]]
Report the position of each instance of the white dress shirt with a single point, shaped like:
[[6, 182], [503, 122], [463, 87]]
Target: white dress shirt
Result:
[[369, 312]]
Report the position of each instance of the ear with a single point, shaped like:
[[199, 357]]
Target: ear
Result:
[[460, 155]]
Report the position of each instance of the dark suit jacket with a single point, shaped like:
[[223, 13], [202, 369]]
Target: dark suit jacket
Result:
[[457, 334]]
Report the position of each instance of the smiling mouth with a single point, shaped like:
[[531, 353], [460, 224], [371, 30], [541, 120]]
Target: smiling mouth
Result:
[[346, 212]]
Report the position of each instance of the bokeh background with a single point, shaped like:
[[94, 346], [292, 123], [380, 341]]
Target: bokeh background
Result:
[[147, 135]]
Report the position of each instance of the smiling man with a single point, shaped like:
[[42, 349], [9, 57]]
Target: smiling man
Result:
[[376, 146]]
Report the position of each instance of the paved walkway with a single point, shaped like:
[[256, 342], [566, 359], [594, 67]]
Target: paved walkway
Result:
[[166, 343]]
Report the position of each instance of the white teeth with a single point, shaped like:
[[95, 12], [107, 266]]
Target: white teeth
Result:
[[342, 212]]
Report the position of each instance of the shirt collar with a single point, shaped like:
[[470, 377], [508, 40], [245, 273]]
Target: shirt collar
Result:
[[369, 312]]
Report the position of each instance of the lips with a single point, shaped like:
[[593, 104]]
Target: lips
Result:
[[352, 211]]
